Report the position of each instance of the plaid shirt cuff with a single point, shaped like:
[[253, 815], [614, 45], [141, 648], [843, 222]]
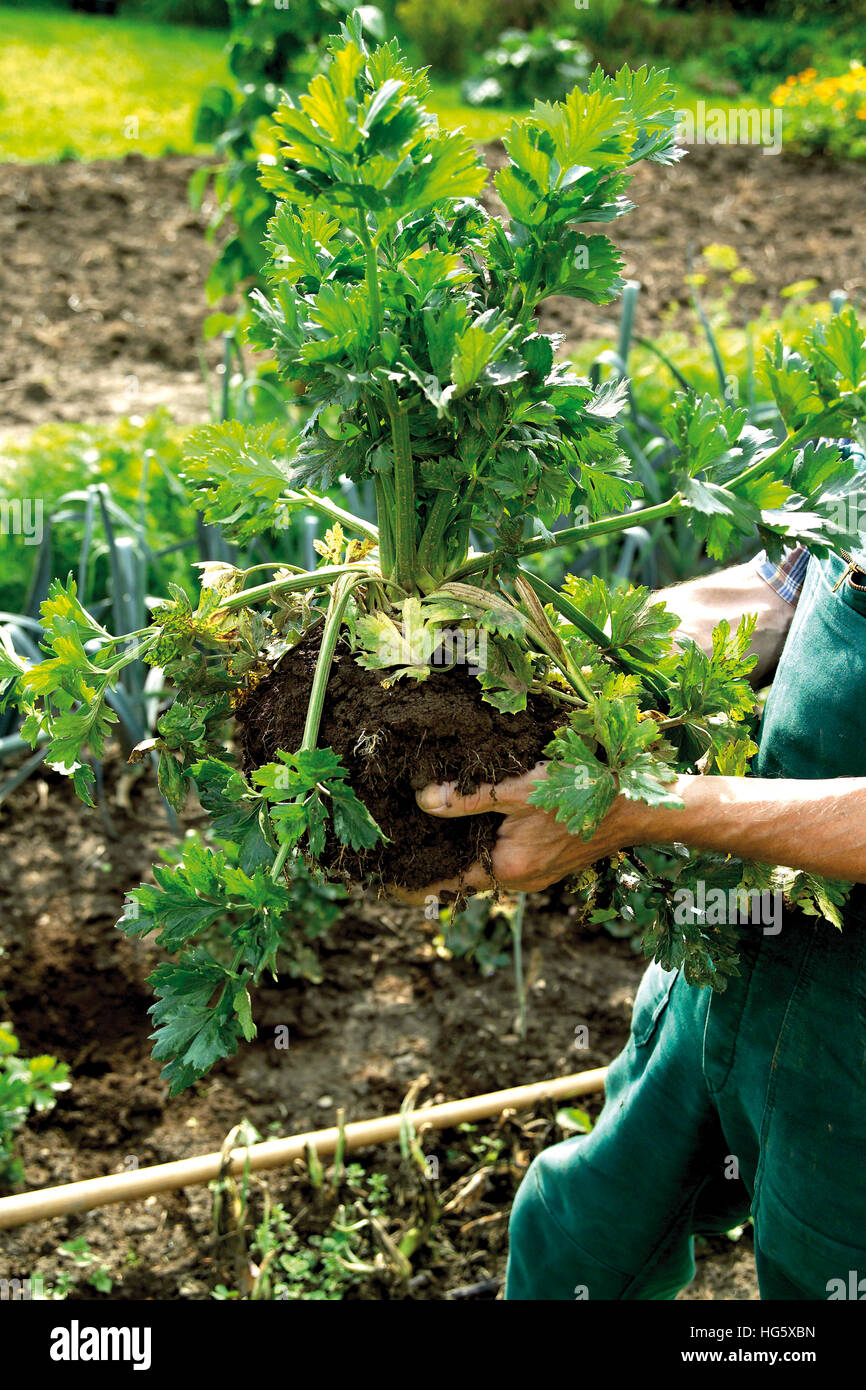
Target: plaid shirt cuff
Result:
[[786, 576]]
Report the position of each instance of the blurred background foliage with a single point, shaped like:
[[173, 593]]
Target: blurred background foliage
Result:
[[69, 79]]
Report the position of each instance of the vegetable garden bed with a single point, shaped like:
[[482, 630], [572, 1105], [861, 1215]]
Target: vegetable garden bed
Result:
[[417, 313], [83, 232], [404, 313], [390, 1010]]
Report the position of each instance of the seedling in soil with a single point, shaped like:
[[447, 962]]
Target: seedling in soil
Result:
[[573, 1121], [94, 1271], [27, 1084], [480, 932], [421, 648]]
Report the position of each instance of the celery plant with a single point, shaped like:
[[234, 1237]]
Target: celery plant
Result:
[[407, 314]]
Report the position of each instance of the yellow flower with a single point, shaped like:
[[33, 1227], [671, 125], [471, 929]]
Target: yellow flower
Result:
[[720, 257]]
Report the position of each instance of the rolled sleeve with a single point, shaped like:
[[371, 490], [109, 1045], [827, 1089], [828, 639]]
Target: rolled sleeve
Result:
[[785, 576]]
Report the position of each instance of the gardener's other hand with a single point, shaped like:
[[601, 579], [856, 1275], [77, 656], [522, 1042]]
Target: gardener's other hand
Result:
[[532, 849]]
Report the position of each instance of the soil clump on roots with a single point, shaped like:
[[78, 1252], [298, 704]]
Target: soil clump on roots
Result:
[[394, 741]]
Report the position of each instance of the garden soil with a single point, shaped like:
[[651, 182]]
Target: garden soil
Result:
[[103, 268], [101, 310], [394, 741], [390, 1010]]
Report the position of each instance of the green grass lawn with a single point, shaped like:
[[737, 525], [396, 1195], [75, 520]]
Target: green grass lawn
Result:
[[84, 86], [92, 87], [480, 123], [89, 87]]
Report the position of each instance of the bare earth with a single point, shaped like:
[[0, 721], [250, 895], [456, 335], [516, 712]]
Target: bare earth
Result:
[[101, 277]]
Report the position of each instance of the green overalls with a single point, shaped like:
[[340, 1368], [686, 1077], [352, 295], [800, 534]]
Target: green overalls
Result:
[[749, 1101]]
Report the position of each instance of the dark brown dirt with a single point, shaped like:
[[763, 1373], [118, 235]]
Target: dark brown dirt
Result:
[[101, 291], [395, 741], [790, 219], [102, 274], [389, 1010]]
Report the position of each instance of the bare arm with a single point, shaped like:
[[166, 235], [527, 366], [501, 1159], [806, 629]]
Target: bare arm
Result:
[[819, 826], [703, 603], [816, 825]]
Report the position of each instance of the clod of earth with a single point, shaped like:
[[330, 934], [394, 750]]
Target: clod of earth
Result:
[[394, 741]]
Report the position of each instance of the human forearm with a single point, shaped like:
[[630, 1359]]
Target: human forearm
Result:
[[810, 825], [819, 826]]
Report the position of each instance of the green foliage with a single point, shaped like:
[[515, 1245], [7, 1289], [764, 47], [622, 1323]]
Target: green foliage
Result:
[[816, 897], [84, 1260], [713, 48], [270, 48], [122, 561], [108, 71], [845, 11], [731, 366], [449, 35], [27, 1085], [633, 30], [321, 1269], [407, 314], [220, 912], [480, 933], [408, 340], [543, 64], [330, 1263], [73, 689], [210, 14], [67, 697], [244, 467], [605, 751], [573, 1120], [773, 52], [139, 462], [308, 789], [113, 536], [629, 620], [436, 356]]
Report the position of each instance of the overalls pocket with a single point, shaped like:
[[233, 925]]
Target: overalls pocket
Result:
[[852, 587], [651, 1002], [725, 1014]]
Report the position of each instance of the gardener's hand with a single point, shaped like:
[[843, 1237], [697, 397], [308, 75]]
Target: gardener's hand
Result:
[[817, 826], [532, 849]]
